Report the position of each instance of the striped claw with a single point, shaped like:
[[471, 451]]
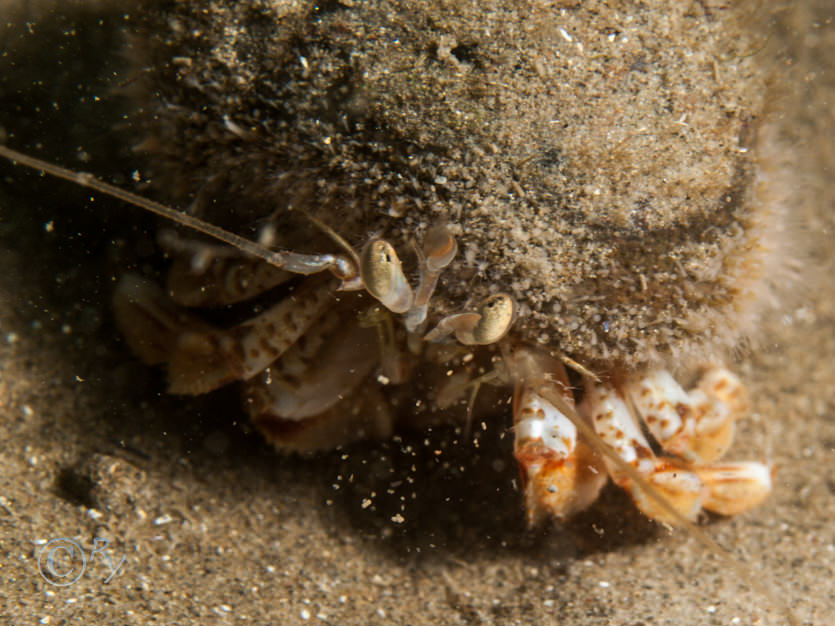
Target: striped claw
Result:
[[619, 430], [697, 426], [733, 488]]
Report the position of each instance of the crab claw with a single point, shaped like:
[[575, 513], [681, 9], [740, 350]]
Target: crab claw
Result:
[[733, 488], [681, 488], [698, 425]]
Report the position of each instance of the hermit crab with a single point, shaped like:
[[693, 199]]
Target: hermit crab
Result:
[[564, 207]]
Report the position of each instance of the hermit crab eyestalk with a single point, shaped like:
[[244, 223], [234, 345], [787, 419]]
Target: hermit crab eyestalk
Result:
[[497, 316], [383, 276]]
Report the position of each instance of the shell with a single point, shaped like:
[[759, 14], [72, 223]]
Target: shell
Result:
[[599, 164]]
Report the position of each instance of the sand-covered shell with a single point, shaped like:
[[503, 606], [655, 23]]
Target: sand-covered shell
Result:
[[600, 162]]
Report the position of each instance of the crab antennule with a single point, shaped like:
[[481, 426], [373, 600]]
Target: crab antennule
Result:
[[492, 322], [439, 249]]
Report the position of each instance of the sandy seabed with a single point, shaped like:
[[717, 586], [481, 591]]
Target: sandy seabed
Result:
[[207, 524]]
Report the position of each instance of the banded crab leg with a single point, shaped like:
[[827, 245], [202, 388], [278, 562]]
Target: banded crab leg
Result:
[[299, 402], [699, 427], [727, 488], [320, 369], [200, 357], [615, 425], [561, 475]]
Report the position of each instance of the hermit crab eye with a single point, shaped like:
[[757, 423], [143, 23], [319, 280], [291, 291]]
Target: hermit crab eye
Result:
[[383, 276], [497, 315], [492, 321]]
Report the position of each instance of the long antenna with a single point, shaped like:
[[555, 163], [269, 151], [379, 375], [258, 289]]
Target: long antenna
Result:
[[91, 182], [343, 268]]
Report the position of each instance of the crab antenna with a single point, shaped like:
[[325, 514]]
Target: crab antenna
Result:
[[340, 266]]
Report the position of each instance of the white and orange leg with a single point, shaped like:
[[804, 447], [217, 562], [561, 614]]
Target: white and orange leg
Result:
[[200, 357], [561, 475], [618, 429], [733, 488], [698, 426]]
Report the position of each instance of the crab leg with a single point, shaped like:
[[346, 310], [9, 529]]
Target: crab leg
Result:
[[616, 426], [202, 358], [561, 475], [702, 420], [149, 320], [697, 426], [305, 401], [733, 488], [316, 373], [299, 402]]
